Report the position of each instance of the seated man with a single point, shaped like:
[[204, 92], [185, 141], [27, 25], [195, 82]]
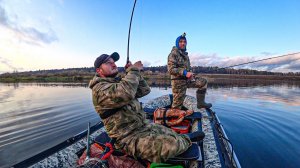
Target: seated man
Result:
[[116, 102]]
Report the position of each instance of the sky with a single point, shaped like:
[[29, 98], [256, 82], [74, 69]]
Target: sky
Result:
[[56, 34]]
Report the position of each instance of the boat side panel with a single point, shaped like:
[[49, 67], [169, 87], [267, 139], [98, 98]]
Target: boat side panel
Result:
[[211, 155], [66, 157]]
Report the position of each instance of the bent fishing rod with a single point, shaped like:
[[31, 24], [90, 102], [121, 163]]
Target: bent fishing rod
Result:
[[132, 12], [260, 60]]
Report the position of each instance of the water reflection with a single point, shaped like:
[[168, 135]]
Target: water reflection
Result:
[[6, 93], [229, 83], [261, 122], [164, 83], [284, 94], [49, 84], [34, 117]]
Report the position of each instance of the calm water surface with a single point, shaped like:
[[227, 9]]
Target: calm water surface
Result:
[[261, 121]]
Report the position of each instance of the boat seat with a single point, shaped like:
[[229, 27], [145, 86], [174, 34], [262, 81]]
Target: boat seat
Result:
[[195, 116], [193, 152]]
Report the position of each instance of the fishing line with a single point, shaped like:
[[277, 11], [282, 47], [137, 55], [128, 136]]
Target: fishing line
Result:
[[260, 60], [129, 31]]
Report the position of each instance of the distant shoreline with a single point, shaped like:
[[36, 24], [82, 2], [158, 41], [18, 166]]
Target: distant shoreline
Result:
[[233, 76], [148, 77]]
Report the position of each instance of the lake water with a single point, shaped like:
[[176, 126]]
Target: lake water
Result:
[[262, 121]]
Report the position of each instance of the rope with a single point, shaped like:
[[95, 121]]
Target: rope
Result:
[[108, 151], [129, 31], [220, 134]]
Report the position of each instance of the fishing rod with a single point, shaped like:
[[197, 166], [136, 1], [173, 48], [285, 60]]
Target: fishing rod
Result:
[[88, 143], [260, 60], [129, 32]]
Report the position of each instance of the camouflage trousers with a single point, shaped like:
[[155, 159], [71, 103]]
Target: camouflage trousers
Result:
[[179, 89], [155, 143]]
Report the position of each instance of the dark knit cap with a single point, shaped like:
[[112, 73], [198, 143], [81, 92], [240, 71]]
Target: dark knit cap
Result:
[[104, 57]]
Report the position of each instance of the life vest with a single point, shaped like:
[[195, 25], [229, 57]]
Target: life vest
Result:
[[173, 118]]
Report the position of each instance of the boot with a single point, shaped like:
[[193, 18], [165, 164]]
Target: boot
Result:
[[200, 99], [196, 136]]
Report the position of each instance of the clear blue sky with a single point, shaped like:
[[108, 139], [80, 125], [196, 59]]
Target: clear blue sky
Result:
[[52, 34]]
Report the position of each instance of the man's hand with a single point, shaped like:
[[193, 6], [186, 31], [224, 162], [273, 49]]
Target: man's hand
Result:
[[128, 65], [139, 65], [189, 75]]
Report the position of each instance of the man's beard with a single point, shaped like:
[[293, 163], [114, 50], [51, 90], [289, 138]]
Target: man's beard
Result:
[[112, 75]]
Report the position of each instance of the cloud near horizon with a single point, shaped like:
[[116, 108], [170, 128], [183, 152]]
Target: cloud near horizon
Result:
[[146, 63], [290, 63], [29, 35], [6, 62]]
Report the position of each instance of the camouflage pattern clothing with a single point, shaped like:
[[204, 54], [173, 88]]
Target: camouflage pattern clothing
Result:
[[178, 61], [155, 143], [179, 91], [128, 125]]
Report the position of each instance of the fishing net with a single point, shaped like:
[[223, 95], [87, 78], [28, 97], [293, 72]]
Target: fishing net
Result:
[[112, 161], [93, 163]]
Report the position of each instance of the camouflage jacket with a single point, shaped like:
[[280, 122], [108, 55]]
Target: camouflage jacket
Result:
[[111, 93], [178, 61]]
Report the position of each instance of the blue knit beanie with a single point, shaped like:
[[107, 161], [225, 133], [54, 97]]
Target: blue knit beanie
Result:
[[178, 39]]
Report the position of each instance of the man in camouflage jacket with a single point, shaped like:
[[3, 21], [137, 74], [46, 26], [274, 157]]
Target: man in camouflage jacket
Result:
[[116, 102], [180, 70]]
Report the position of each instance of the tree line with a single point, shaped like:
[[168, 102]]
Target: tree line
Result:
[[217, 70], [90, 71]]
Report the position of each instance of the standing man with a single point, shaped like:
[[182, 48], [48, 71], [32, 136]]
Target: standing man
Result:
[[179, 68], [116, 102]]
